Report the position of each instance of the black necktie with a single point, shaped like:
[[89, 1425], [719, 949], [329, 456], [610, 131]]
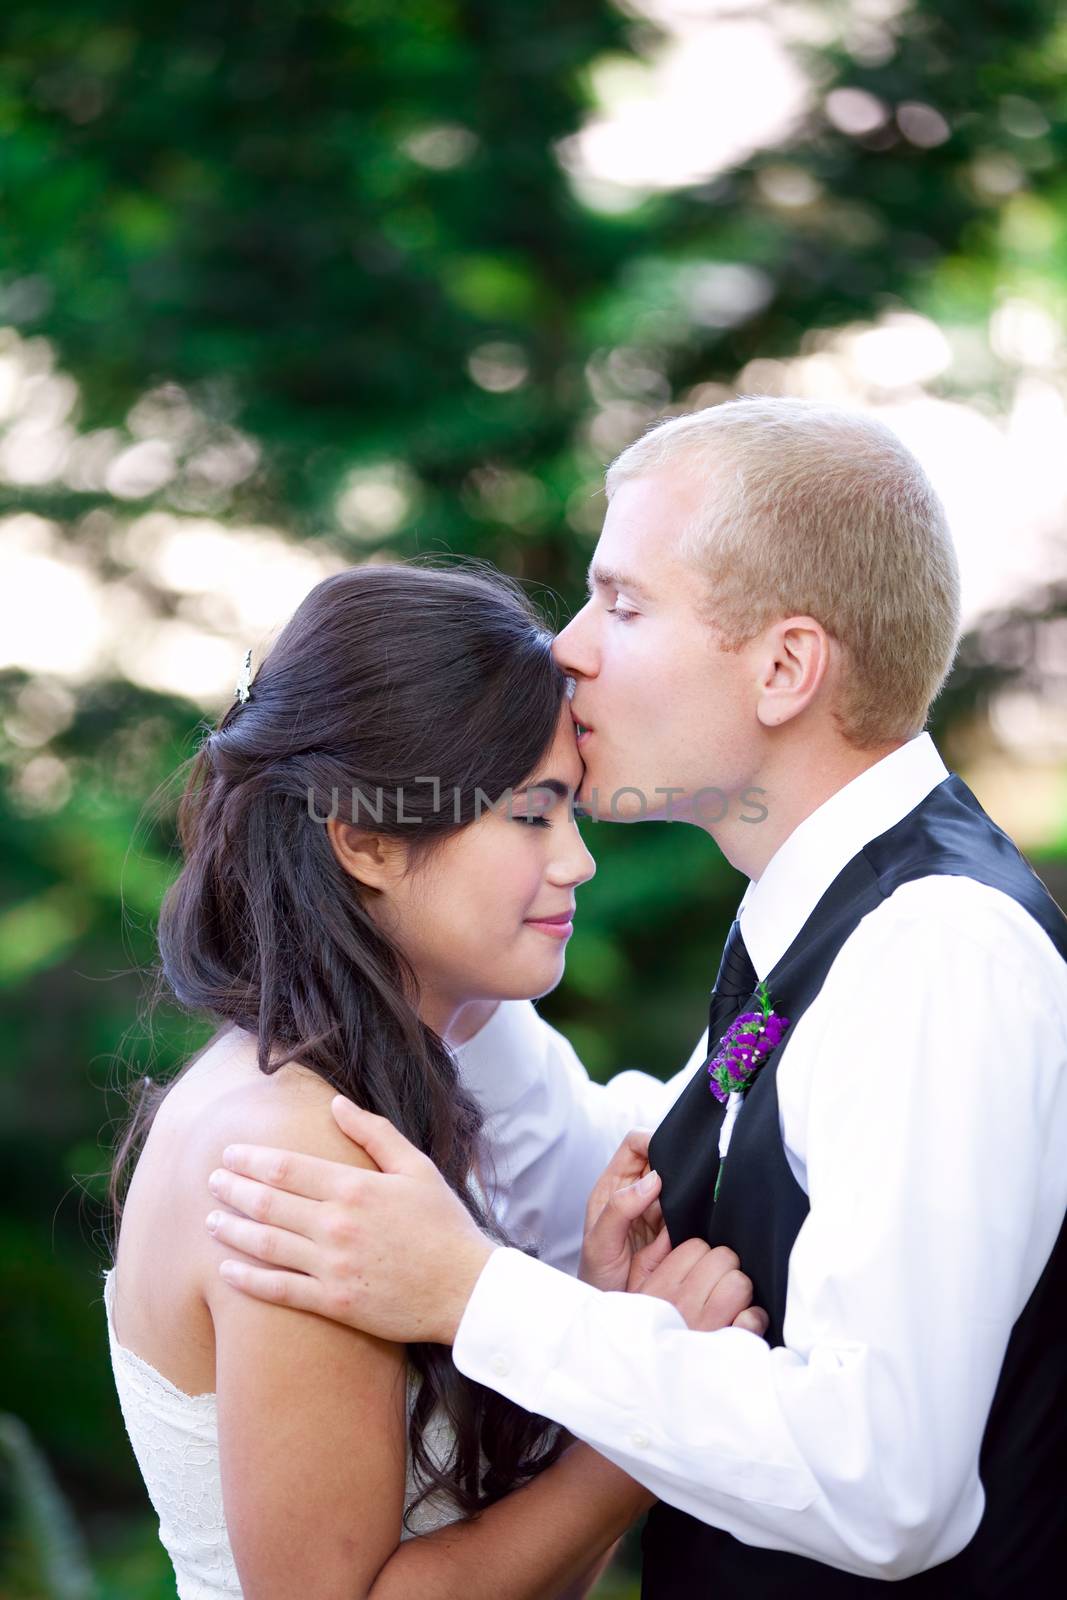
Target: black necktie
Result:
[[736, 983]]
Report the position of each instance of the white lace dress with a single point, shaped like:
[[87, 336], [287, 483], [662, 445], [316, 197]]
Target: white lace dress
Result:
[[175, 1439]]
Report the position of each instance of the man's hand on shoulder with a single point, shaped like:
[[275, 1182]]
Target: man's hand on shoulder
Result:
[[392, 1251]]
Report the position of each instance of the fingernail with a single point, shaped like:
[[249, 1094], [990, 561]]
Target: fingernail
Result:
[[648, 1182], [228, 1155], [213, 1221], [214, 1183]]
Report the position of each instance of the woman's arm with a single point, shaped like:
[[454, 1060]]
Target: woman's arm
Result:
[[313, 1452], [312, 1425], [544, 1541], [547, 1540], [312, 1436]]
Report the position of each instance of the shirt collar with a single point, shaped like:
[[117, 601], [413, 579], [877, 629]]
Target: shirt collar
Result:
[[776, 905]]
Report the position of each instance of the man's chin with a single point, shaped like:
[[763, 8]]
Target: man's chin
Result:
[[591, 797], [610, 801]]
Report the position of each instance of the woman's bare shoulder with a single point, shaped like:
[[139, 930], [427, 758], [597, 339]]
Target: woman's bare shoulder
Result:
[[229, 1100]]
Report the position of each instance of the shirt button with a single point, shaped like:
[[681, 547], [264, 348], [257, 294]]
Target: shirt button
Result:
[[501, 1366], [640, 1441]]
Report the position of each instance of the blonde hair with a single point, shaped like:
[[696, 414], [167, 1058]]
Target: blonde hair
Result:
[[820, 512]]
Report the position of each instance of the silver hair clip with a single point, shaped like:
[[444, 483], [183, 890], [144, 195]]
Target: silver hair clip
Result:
[[244, 681]]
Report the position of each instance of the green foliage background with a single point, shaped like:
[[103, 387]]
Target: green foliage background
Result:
[[295, 222]]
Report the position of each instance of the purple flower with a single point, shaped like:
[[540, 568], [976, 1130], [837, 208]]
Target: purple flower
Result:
[[744, 1047]]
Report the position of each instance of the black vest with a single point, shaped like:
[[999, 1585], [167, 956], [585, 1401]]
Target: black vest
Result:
[[1021, 1542]]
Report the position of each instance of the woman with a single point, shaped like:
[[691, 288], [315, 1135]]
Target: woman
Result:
[[367, 869]]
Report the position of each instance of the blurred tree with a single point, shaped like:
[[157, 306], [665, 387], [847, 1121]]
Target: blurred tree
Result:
[[339, 225], [927, 173]]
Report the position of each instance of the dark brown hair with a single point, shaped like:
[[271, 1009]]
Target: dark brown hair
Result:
[[385, 677]]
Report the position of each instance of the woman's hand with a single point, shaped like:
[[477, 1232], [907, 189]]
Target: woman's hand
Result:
[[622, 1217], [627, 1247], [707, 1286]]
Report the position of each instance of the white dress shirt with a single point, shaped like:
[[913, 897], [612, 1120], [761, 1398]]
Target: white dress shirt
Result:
[[550, 1129], [923, 1106]]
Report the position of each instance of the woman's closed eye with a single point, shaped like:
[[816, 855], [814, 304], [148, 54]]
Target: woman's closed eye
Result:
[[577, 814], [623, 615]]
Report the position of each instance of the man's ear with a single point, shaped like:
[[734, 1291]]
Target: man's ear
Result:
[[371, 858], [793, 670]]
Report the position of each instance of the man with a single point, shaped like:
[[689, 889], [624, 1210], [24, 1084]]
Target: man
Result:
[[773, 607]]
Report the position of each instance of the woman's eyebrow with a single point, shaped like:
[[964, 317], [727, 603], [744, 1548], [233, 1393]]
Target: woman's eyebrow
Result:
[[562, 791], [608, 578]]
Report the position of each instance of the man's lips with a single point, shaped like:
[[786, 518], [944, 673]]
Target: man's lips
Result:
[[582, 727]]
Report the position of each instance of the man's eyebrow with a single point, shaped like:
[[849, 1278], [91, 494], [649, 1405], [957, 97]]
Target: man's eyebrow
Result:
[[561, 790], [608, 578]]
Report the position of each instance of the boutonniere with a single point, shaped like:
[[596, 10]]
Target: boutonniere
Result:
[[745, 1046]]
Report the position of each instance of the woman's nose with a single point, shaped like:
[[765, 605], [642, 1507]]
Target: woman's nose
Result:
[[577, 865]]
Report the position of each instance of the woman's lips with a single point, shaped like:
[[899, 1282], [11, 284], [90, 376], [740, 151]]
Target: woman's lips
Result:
[[556, 927]]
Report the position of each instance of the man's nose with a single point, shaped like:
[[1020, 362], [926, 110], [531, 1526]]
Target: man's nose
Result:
[[574, 647]]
